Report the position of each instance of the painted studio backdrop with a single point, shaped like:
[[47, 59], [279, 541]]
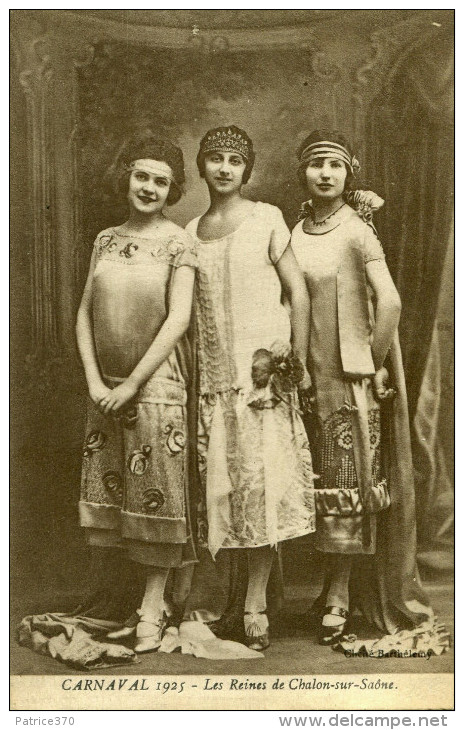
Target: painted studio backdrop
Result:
[[83, 80]]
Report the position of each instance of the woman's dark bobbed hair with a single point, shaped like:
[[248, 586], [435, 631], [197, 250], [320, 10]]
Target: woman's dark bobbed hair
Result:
[[323, 135], [147, 146], [245, 139]]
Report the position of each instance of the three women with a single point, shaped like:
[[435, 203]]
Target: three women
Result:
[[253, 452]]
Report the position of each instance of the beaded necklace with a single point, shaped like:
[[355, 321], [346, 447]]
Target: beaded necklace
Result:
[[324, 220]]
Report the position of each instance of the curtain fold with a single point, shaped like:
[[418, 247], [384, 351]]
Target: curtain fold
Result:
[[410, 164], [433, 429]]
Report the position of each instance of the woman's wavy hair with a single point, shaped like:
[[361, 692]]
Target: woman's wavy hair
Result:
[[323, 135], [147, 146], [249, 163]]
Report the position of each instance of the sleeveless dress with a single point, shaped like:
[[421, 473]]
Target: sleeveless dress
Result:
[[134, 476], [345, 406], [255, 465]]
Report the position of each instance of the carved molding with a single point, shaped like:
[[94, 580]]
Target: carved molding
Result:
[[207, 40], [48, 74], [36, 82]]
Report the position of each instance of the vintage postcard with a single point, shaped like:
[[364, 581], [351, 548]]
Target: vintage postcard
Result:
[[232, 356]]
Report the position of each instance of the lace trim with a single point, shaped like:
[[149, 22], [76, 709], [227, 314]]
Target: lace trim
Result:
[[171, 250], [217, 368], [335, 462]]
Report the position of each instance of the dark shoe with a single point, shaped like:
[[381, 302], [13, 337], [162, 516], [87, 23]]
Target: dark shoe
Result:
[[127, 630], [256, 637], [329, 635], [229, 626], [174, 613]]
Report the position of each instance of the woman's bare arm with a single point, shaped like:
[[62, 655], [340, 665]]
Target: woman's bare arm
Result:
[[173, 329], [388, 309], [294, 286], [86, 343]]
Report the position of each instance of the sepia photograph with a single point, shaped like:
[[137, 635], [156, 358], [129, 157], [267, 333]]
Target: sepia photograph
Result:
[[232, 359]]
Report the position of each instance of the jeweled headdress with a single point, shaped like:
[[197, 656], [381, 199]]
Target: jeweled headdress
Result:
[[227, 139]]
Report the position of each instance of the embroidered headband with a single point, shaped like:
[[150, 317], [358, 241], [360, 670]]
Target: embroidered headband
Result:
[[226, 140], [333, 150], [153, 167]]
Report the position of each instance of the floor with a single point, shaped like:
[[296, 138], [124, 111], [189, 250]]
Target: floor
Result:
[[293, 651], [50, 568]]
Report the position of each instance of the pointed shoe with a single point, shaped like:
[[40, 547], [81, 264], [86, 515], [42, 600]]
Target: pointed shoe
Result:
[[329, 635], [149, 635], [256, 637]]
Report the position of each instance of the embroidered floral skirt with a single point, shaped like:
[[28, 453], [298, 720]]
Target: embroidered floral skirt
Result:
[[134, 477], [256, 473], [347, 469]]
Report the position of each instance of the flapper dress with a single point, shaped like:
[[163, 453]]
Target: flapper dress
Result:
[[134, 478], [255, 465], [346, 413]]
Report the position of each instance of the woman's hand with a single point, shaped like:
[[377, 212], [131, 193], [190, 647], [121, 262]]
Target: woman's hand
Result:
[[306, 393], [115, 399], [306, 383], [98, 391], [380, 380]]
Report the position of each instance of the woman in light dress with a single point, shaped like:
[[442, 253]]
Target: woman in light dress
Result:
[[131, 325], [361, 449], [254, 458]]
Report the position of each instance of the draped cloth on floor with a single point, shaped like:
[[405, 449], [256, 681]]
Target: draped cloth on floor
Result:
[[387, 585]]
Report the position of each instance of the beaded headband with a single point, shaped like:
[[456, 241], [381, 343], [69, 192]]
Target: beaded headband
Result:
[[333, 150], [153, 167], [226, 141]]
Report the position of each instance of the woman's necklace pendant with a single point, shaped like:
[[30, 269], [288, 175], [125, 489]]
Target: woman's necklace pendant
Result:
[[324, 220]]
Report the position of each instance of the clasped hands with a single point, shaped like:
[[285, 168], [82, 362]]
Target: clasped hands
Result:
[[110, 401]]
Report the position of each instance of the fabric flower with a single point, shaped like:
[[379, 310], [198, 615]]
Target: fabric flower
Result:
[[355, 165], [175, 440], [138, 460], [262, 367], [365, 203], [128, 417], [95, 441], [112, 482], [152, 500], [175, 246], [275, 371]]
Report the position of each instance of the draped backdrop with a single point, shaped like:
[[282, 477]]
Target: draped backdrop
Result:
[[410, 146], [83, 80]]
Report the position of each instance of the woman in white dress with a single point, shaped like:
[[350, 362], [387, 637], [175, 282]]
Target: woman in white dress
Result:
[[254, 459]]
